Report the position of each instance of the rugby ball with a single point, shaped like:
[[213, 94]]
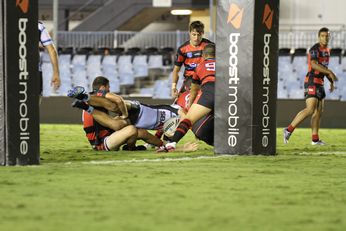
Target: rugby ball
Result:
[[170, 126]]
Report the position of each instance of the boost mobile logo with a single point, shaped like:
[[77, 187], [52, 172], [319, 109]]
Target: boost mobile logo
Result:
[[235, 15], [268, 16], [23, 5]]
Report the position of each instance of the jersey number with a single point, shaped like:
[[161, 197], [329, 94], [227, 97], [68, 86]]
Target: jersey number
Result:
[[210, 66]]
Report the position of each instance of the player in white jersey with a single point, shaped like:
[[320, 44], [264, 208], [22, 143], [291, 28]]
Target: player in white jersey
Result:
[[47, 42], [151, 117]]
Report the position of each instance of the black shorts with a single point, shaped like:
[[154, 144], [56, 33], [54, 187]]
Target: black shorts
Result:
[[206, 95], [204, 129], [314, 90]]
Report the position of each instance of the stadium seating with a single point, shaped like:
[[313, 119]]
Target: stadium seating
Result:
[[124, 67]]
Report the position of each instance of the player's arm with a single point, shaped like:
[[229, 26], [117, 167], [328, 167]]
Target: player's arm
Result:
[[179, 61], [195, 86], [175, 79], [119, 101], [320, 68], [330, 75], [193, 92], [53, 55]]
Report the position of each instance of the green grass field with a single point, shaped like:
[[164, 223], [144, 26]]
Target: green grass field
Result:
[[75, 188]]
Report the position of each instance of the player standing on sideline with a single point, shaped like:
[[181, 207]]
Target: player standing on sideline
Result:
[[318, 60], [201, 104], [189, 54], [47, 42]]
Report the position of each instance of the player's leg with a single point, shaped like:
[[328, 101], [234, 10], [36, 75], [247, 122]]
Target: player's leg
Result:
[[204, 129], [149, 138], [114, 123], [195, 113], [315, 123], [127, 135], [79, 93], [311, 105]]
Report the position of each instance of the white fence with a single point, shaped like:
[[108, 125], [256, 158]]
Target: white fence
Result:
[[124, 39], [307, 38], [298, 38]]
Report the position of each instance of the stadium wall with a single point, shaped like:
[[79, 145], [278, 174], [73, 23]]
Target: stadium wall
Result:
[[58, 110]]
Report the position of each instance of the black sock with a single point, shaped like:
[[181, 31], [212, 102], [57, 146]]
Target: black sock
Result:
[[182, 129]]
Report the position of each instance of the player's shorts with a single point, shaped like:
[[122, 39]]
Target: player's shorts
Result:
[[204, 129], [314, 90], [205, 96]]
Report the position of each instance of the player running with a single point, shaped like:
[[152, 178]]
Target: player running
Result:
[[318, 60]]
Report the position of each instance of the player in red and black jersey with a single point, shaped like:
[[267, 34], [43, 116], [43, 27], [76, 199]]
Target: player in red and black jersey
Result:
[[318, 60], [190, 55], [201, 96]]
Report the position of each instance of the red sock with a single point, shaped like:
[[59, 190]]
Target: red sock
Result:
[[315, 137], [290, 128]]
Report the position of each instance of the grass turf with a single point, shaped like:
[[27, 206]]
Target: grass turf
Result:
[[301, 188]]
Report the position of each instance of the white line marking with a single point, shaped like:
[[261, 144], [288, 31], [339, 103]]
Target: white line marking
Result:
[[108, 162], [324, 153]]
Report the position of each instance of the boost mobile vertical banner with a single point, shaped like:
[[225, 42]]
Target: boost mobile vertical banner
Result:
[[21, 82], [246, 73]]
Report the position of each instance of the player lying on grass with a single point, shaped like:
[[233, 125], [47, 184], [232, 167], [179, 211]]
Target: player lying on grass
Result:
[[201, 97], [141, 116]]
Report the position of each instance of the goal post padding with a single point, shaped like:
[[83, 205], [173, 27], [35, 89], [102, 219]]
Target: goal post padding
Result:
[[20, 89], [246, 76]]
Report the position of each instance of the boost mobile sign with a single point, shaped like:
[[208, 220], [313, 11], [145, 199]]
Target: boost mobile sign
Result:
[[246, 76], [21, 82]]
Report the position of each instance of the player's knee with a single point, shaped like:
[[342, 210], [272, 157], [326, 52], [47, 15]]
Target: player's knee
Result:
[[309, 111]]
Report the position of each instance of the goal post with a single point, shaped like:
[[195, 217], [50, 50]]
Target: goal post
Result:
[[246, 76], [19, 84]]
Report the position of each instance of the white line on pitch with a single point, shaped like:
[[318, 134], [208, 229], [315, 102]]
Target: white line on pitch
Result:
[[158, 160]]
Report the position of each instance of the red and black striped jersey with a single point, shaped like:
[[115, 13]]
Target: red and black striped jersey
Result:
[[321, 55], [94, 131], [190, 56], [204, 72]]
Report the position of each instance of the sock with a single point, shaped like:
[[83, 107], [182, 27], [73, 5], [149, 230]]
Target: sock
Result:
[[90, 109], [182, 129], [290, 128], [86, 97], [315, 137], [161, 143], [159, 133]]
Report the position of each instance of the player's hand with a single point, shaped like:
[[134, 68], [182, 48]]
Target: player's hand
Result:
[[55, 83], [332, 76], [332, 87], [190, 147], [174, 93]]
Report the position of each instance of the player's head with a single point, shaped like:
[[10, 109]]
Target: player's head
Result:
[[196, 31], [100, 83], [209, 51], [323, 36]]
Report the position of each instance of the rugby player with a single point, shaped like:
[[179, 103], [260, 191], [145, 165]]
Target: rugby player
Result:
[[318, 60], [201, 97], [189, 54], [47, 42]]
